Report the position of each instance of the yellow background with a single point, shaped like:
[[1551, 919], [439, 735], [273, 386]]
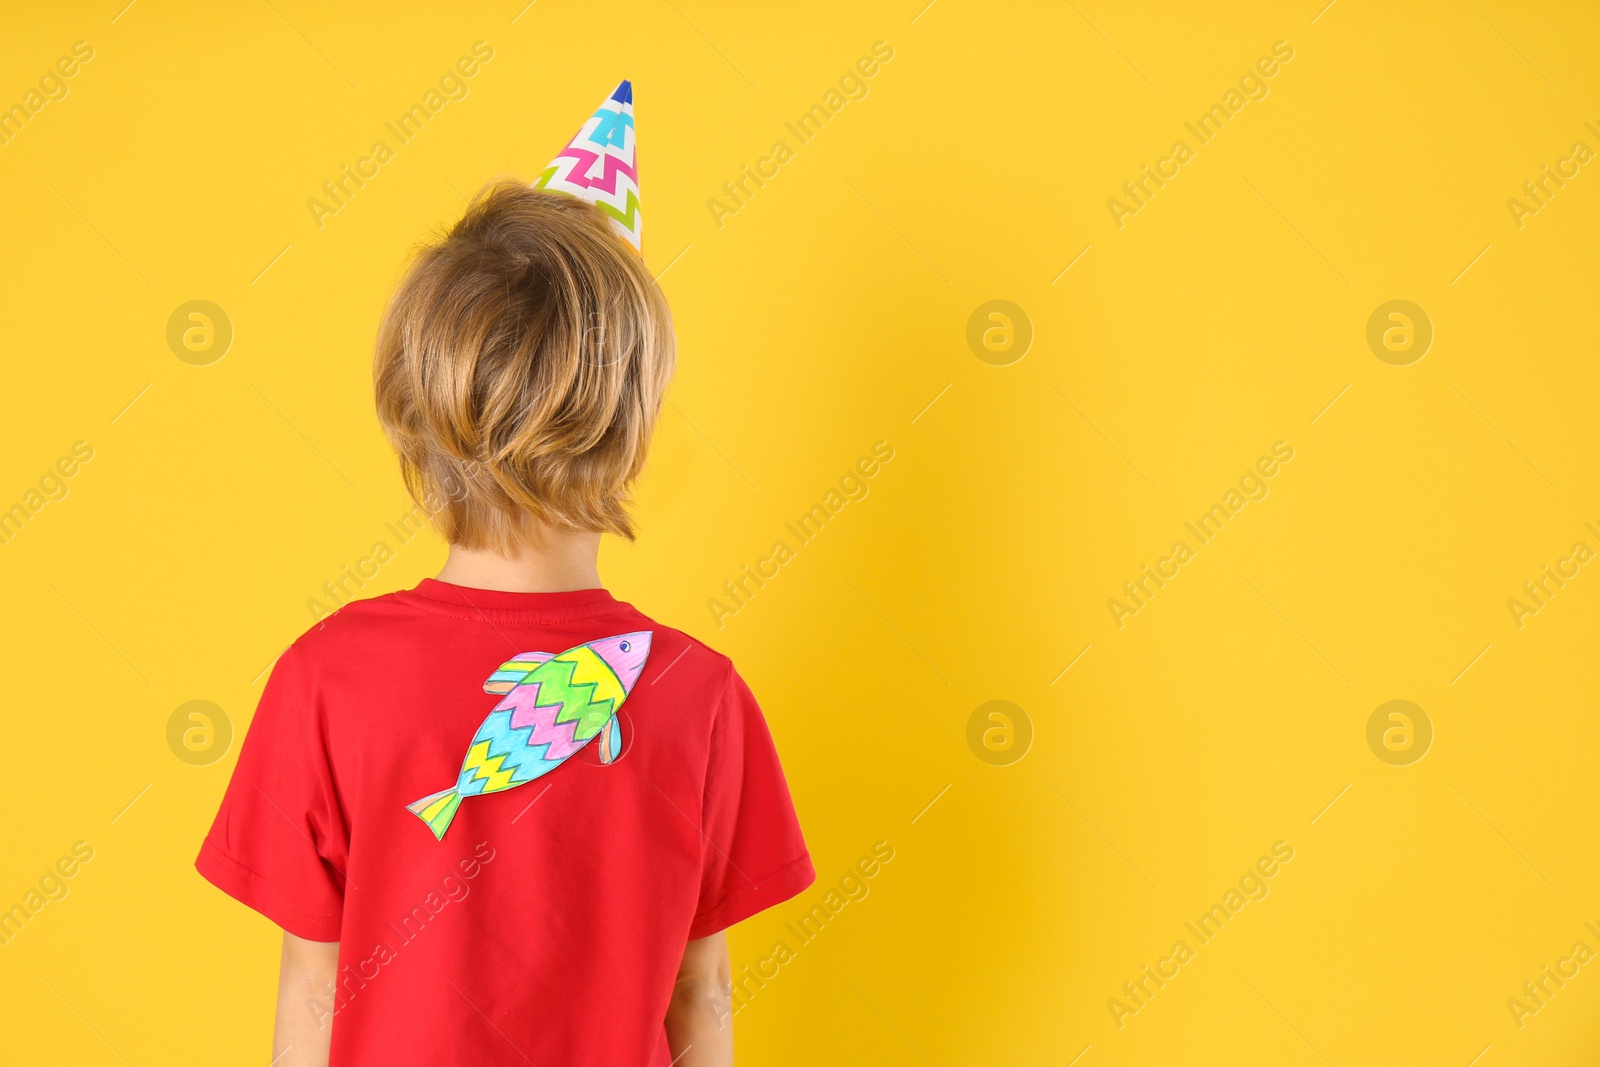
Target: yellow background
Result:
[[825, 316]]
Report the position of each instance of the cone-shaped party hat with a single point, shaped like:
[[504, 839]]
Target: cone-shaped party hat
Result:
[[599, 165]]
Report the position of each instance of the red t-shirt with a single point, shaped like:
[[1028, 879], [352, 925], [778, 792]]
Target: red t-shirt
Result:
[[512, 811]]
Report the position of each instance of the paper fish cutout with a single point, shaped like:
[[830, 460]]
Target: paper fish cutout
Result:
[[600, 165], [553, 706]]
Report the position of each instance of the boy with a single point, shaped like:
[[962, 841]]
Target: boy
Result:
[[503, 817]]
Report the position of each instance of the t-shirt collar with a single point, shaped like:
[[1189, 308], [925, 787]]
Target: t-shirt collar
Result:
[[504, 605]]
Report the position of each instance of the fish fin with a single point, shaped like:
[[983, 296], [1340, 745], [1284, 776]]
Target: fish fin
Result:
[[511, 673], [437, 810], [611, 740]]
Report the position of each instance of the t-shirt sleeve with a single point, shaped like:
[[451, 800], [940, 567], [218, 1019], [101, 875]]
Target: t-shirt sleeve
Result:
[[280, 841], [754, 854]]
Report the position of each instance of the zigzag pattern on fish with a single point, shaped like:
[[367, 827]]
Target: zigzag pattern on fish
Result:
[[506, 758], [550, 707], [556, 686], [543, 723], [561, 689], [537, 723], [487, 770]]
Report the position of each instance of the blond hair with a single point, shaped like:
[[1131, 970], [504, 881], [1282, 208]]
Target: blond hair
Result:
[[520, 368]]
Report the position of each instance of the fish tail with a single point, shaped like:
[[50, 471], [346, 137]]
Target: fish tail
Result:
[[437, 810]]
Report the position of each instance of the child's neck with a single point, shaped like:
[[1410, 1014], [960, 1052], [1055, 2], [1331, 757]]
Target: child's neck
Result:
[[548, 560]]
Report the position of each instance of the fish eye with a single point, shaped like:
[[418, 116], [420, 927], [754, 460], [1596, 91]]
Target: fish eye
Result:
[[623, 646]]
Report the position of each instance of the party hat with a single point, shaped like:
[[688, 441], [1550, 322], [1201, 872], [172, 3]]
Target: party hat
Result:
[[599, 165]]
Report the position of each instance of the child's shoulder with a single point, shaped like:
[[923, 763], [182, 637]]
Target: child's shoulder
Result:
[[356, 624], [678, 651]]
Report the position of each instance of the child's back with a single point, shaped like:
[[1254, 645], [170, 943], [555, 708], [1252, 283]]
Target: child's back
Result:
[[551, 916]]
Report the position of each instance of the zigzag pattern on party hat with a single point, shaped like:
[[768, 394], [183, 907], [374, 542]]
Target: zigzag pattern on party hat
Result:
[[599, 165]]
